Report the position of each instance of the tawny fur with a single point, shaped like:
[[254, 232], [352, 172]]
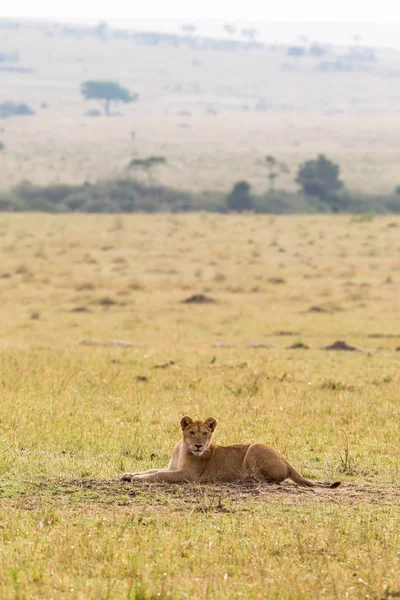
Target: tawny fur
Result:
[[196, 459]]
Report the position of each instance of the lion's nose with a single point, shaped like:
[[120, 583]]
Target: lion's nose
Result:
[[198, 446]]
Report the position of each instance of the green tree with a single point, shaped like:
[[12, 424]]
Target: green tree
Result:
[[274, 168], [106, 92], [147, 165], [320, 178], [239, 199]]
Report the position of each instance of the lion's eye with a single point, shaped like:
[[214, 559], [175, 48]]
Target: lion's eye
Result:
[[192, 433], [204, 434]]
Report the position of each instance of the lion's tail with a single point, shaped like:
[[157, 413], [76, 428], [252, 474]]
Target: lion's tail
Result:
[[300, 480]]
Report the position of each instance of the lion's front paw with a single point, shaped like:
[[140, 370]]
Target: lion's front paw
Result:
[[128, 476]]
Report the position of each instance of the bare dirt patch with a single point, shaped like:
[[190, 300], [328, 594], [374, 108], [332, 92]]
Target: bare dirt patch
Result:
[[205, 497]]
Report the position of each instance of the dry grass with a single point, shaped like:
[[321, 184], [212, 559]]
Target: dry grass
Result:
[[74, 416]]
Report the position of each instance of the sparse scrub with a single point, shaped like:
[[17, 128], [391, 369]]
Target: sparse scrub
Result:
[[128, 195]]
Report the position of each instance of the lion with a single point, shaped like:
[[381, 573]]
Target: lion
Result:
[[195, 459]]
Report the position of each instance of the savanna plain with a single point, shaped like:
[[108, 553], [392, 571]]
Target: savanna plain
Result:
[[100, 358]]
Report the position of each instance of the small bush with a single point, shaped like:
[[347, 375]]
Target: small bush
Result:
[[298, 346], [296, 51], [239, 199], [11, 109], [94, 112]]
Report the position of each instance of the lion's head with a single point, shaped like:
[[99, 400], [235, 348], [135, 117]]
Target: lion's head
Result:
[[197, 434]]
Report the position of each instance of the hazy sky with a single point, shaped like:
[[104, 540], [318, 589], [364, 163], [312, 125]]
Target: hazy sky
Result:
[[383, 11]]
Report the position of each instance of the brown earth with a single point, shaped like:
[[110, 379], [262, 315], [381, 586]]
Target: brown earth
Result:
[[204, 497]]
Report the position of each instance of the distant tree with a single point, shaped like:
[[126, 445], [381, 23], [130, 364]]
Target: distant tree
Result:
[[189, 28], [274, 168], [147, 164], [2, 146], [250, 33], [397, 190], [239, 199], [303, 39], [320, 178], [231, 29], [11, 109], [102, 31], [296, 51], [106, 92], [317, 50]]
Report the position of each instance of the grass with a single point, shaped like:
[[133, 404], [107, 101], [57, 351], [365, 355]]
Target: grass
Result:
[[83, 399]]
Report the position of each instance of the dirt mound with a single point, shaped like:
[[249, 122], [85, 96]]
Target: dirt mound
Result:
[[341, 345], [317, 309], [199, 299]]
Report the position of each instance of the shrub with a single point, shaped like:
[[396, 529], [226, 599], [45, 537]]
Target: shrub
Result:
[[317, 50], [239, 199], [296, 51], [93, 112], [11, 109]]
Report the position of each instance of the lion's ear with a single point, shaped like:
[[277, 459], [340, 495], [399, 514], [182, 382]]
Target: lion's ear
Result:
[[211, 423], [185, 422]]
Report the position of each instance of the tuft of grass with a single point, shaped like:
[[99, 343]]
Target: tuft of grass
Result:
[[337, 386], [299, 345]]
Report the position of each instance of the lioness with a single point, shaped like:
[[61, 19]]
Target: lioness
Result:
[[196, 459]]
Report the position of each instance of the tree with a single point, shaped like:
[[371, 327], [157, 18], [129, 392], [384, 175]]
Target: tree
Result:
[[231, 29], [147, 165], [239, 199], [189, 28], [102, 31], [275, 168], [249, 33], [10, 109], [320, 178], [106, 92]]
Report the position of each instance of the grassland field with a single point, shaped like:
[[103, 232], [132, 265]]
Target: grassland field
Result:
[[200, 108], [100, 359]]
